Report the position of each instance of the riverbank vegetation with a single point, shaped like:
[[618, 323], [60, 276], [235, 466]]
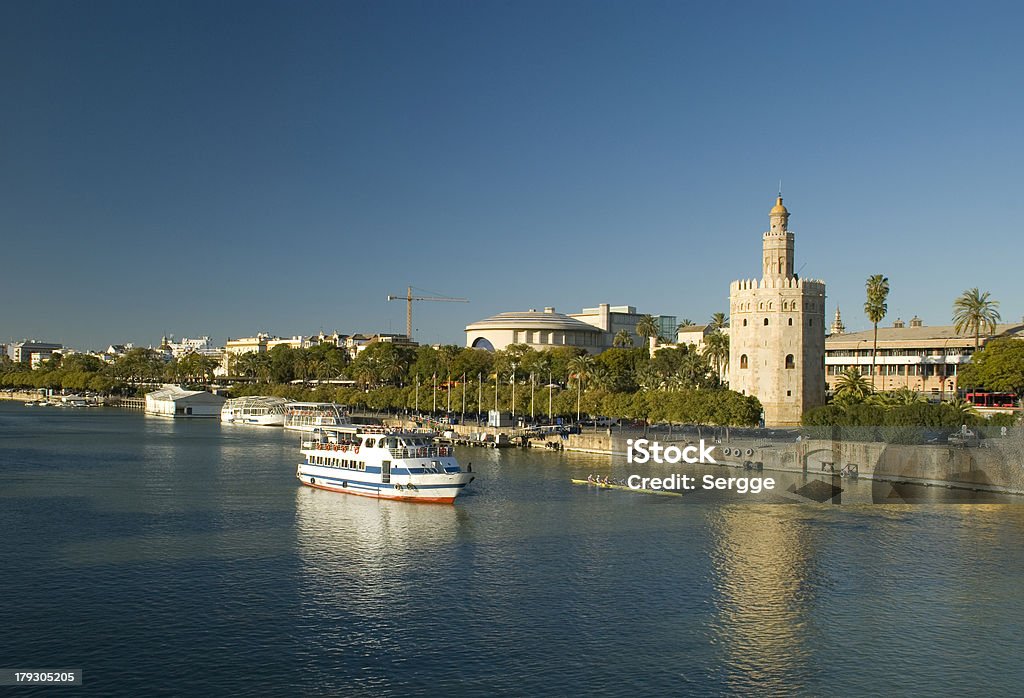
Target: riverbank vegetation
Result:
[[677, 384]]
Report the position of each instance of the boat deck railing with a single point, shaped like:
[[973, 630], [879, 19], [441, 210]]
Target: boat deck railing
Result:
[[396, 453], [420, 452]]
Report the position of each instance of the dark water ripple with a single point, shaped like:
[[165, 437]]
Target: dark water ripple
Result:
[[182, 558]]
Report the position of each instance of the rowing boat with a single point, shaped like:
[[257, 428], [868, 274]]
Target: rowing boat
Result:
[[614, 486]]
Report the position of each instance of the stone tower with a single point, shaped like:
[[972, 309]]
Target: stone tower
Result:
[[777, 331]]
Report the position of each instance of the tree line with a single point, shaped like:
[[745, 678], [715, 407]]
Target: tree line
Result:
[[677, 384]]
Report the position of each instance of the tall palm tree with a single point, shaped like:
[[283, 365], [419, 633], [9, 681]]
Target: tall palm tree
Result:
[[622, 339], [973, 310], [852, 384], [580, 367], [684, 323], [716, 350], [648, 328], [719, 321], [875, 307]]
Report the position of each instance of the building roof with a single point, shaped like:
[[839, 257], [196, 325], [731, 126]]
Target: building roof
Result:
[[532, 320], [939, 335], [175, 393]]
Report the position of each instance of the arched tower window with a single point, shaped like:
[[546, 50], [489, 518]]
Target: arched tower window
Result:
[[790, 363], [766, 322], [743, 361], [744, 322], [790, 322]]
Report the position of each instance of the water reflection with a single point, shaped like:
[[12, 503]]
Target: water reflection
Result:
[[368, 569], [358, 539], [764, 578]]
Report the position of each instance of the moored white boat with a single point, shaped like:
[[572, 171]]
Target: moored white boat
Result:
[[381, 463], [257, 410], [309, 416]]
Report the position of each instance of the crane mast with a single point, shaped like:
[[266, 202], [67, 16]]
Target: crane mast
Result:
[[409, 298]]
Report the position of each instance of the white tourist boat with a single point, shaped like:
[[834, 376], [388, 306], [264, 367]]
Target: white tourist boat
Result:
[[258, 410], [382, 463], [307, 416]]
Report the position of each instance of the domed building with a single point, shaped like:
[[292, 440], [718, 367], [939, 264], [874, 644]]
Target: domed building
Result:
[[540, 330], [593, 329]]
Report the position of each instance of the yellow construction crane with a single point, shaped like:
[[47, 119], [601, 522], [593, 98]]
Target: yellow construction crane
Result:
[[409, 298]]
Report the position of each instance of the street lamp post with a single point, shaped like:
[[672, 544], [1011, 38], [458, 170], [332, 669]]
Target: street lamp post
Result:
[[550, 412], [579, 395], [531, 396], [513, 381]]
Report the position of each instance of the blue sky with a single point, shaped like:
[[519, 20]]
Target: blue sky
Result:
[[231, 167]]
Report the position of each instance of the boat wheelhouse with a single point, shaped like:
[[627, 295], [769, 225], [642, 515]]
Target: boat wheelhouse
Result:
[[308, 416], [382, 463], [258, 410]]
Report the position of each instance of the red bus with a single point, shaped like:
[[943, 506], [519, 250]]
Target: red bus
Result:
[[982, 399]]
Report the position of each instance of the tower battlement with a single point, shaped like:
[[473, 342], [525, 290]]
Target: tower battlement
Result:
[[816, 286]]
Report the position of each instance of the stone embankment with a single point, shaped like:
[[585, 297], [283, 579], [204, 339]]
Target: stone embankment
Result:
[[19, 395], [993, 465]]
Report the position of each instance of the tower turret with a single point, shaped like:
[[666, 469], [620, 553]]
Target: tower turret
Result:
[[778, 244], [837, 324]]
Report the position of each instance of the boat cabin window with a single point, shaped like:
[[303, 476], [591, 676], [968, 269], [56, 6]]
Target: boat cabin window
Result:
[[370, 443]]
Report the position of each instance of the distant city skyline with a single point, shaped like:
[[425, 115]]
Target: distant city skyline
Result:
[[226, 169]]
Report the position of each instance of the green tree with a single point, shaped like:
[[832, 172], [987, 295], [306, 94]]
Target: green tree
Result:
[[852, 386], [622, 339], [716, 350], [648, 328], [875, 307], [719, 321], [999, 367], [974, 312]]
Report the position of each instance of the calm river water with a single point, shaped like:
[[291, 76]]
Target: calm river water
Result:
[[183, 557]]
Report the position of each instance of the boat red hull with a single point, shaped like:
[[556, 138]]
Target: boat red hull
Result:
[[378, 495]]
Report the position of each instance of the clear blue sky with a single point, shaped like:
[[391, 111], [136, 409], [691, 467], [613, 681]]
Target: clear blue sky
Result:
[[229, 167]]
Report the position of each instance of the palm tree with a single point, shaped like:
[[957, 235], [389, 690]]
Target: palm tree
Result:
[[247, 364], [875, 308], [716, 350], [648, 378], [601, 377], [906, 396], [719, 321], [963, 409], [853, 385], [684, 323], [648, 328], [622, 339], [580, 367], [973, 310]]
